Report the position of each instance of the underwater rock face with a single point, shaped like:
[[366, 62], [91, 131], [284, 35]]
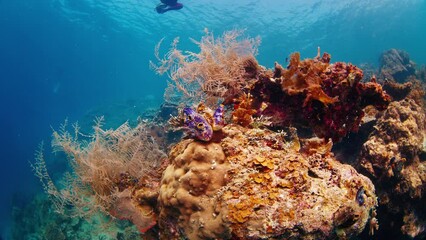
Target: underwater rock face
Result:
[[394, 156], [396, 65], [252, 183], [397, 140]]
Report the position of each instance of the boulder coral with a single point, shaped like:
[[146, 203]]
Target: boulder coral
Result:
[[394, 158], [396, 141], [188, 188], [258, 184]]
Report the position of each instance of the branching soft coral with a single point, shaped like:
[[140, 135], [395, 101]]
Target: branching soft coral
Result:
[[106, 166], [223, 67]]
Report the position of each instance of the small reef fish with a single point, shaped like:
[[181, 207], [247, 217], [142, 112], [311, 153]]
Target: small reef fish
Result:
[[201, 124]]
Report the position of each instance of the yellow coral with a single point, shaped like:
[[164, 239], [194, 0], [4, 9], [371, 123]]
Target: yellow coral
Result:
[[265, 162], [243, 112]]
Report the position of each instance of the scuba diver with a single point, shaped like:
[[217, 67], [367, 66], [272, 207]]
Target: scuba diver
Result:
[[167, 5]]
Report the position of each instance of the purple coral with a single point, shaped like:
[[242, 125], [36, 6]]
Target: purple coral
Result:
[[197, 125]]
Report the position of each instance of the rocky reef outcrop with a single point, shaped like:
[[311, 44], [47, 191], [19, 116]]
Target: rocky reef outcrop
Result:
[[396, 141], [393, 156], [259, 184], [396, 65], [328, 99]]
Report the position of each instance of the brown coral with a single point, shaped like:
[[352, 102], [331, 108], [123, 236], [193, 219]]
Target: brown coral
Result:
[[305, 77], [393, 157], [243, 111], [188, 189], [397, 140], [242, 188]]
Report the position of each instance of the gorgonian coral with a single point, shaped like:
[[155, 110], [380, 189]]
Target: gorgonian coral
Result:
[[223, 67], [106, 167]]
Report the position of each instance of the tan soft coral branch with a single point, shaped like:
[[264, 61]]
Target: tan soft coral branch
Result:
[[215, 73], [106, 166]]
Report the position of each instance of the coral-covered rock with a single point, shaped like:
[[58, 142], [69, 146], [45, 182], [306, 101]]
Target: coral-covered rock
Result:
[[398, 91], [325, 98], [396, 65], [397, 140], [413, 226], [394, 157], [252, 183]]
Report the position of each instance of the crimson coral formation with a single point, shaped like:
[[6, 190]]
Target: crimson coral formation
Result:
[[325, 98]]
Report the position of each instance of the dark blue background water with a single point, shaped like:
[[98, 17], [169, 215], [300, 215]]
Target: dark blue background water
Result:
[[61, 58]]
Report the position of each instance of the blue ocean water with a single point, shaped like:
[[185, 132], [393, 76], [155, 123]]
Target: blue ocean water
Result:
[[61, 58]]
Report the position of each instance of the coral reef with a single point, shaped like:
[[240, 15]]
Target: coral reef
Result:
[[331, 96], [390, 149], [251, 183], [396, 65], [396, 141], [394, 157], [313, 94], [263, 165]]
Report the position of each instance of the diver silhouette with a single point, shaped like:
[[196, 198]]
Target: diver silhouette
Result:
[[167, 5]]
